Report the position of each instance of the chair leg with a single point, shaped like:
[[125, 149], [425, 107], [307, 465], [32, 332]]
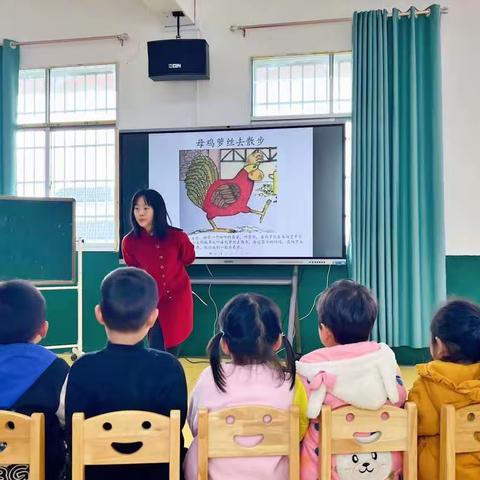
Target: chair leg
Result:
[[294, 441], [203, 444], [78, 468], [324, 444], [447, 443], [174, 466], [410, 455], [37, 447]]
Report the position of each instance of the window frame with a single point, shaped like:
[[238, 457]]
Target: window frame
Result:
[[48, 127], [323, 118], [314, 116]]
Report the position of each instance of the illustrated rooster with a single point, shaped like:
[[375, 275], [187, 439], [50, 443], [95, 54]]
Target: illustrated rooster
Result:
[[221, 197]]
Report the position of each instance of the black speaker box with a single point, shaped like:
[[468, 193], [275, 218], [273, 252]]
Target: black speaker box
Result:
[[180, 59]]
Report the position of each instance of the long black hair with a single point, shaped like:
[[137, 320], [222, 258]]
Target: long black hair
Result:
[[250, 325], [161, 220], [457, 325]]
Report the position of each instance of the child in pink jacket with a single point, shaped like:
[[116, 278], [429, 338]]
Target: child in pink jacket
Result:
[[251, 334], [350, 370]]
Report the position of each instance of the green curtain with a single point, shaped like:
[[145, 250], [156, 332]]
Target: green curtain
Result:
[[9, 64], [398, 240]]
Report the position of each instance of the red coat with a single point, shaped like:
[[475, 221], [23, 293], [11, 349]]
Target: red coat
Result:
[[166, 260]]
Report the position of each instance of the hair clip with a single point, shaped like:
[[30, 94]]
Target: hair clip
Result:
[[224, 334]]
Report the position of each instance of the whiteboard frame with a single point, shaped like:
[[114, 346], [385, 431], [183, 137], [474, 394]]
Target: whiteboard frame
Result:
[[257, 125]]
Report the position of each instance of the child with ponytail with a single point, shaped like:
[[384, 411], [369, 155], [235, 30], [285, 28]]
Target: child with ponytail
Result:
[[250, 336], [453, 377]]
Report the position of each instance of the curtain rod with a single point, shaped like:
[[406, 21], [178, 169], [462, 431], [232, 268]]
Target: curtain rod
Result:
[[244, 28], [121, 37]]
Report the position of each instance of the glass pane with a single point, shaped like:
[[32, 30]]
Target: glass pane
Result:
[[83, 167], [260, 86], [308, 108], [20, 159], [83, 93], [322, 83], [30, 162], [291, 85], [308, 83], [272, 85], [297, 83], [39, 189], [285, 75], [29, 189], [342, 83], [29, 165], [31, 97]]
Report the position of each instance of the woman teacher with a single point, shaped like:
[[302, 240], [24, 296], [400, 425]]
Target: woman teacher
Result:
[[164, 252]]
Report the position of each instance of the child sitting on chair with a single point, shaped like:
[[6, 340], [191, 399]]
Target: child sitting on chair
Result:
[[250, 335], [31, 377], [453, 377], [126, 375], [350, 370]]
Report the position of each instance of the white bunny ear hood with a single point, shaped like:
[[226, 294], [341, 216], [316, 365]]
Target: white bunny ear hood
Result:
[[365, 381]]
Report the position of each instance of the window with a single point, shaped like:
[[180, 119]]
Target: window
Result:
[[66, 143], [317, 85], [307, 86]]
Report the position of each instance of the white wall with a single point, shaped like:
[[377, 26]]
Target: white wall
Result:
[[225, 98]]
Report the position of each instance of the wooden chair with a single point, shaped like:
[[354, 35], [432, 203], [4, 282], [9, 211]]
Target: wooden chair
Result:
[[392, 429], [23, 442], [459, 433], [125, 438], [280, 430]]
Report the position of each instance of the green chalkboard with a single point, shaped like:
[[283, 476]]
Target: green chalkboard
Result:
[[37, 240]]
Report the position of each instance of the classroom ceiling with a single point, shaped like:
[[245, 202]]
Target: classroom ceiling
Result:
[[164, 9]]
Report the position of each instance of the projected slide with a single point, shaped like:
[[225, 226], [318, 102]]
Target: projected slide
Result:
[[242, 193]]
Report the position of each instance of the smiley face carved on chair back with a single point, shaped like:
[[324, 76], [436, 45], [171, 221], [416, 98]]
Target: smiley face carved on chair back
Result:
[[126, 437]]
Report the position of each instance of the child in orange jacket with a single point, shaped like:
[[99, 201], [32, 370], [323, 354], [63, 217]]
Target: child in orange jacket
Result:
[[453, 377]]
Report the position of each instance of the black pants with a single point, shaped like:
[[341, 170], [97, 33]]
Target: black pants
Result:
[[155, 340]]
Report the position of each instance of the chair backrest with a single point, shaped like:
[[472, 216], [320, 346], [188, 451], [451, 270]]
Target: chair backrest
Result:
[[22, 440], [459, 433], [125, 438], [389, 429], [278, 433]]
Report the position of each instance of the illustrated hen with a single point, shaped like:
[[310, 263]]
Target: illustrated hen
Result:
[[221, 197]]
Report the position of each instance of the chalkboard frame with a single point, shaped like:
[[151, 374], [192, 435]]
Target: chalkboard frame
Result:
[[42, 282]]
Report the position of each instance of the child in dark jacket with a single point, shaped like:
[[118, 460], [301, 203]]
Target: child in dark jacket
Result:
[[31, 377], [126, 375]]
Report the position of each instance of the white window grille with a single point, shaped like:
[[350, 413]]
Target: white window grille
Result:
[[66, 143], [318, 85]]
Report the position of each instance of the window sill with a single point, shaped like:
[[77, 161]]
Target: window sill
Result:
[[314, 118], [99, 247]]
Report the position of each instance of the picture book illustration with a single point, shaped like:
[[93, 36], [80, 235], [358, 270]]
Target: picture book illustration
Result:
[[220, 184], [245, 194]]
